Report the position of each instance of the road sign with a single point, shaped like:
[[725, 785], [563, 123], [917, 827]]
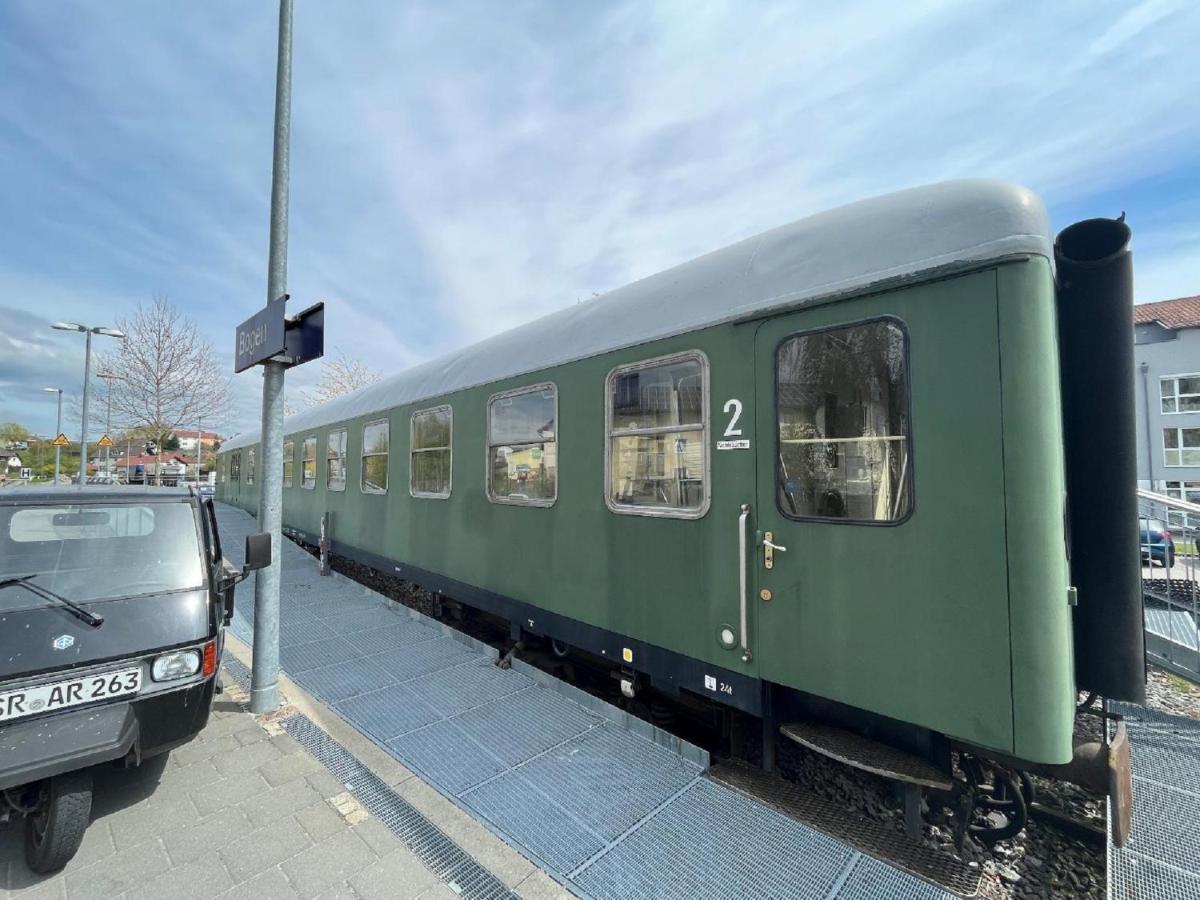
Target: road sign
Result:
[[105, 441], [261, 336], [306, 336], [61, 441]]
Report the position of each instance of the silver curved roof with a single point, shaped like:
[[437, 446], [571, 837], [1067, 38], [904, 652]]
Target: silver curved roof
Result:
[[903, 236]]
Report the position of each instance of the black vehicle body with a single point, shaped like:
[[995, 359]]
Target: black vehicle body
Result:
[[53, 651]]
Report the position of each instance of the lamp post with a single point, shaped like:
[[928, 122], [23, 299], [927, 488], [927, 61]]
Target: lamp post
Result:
[[108, 380], [57, 432], [87, 376]]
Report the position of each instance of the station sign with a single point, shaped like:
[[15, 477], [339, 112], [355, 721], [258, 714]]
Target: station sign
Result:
[[270, 336], [261, 336]]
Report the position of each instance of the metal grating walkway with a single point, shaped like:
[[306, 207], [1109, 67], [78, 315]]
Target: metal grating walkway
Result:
[[1161, 861], [609, 805]]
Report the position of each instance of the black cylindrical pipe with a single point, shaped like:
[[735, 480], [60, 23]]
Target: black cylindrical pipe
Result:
[[1095, 335]]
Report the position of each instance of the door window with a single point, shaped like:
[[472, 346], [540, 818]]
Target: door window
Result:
[[844, 431]]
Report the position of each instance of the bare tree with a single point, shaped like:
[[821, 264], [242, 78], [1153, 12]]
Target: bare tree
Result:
[[340, 375], [167, 375]]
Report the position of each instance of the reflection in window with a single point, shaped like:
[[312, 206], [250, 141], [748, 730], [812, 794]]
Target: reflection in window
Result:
[[657, 454], [250, 466], [335, 461], [1181, 446], [308, 463], [375, 458], [522, 446], [289, 462], [844, 424], [429, 464]]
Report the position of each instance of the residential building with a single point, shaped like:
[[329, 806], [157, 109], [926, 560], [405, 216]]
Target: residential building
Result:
[[187, 440], [1166, 338]]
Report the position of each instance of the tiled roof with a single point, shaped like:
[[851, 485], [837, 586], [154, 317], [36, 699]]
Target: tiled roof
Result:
[[1181, 313]]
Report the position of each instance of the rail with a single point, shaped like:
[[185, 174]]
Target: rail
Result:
[[1170, 545]]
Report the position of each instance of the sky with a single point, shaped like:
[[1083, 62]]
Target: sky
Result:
[[459, 168]]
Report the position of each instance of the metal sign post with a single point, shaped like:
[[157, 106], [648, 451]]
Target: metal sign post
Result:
[[276, 343], [264, 682]]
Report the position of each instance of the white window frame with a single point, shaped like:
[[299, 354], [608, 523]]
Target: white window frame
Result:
[[363, 454], [344, 458], [487, 446], [666, 512], [413, 450], [1179, 448], [289, 456], [235, 467], [1177, 396], [250, 460], [304, 482]]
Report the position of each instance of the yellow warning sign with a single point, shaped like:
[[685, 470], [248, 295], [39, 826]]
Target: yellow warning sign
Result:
[[61, 441], [105, 441]]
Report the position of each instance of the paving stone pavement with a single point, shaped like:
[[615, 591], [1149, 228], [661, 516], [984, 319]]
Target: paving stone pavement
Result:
[[240, 812]]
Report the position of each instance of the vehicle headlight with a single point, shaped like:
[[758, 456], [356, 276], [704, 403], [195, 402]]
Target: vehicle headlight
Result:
[[179, 664]]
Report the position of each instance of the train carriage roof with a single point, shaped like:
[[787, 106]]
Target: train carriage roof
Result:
[[910, 235]]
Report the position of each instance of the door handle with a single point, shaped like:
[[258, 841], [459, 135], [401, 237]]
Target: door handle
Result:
[[746, 655], [769, 549]]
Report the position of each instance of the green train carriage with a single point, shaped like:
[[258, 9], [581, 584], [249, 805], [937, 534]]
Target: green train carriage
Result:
[[818, 475]]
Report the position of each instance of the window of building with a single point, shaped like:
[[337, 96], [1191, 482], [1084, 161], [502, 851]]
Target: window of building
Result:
[[375, 458], [1181, 446], [335, 461], [1180, 393], [431, 434], [657, 421], [289, 462], [844, 430], [1184, 490], [235, 467], [250, 466], [308, 463], [523, 447]]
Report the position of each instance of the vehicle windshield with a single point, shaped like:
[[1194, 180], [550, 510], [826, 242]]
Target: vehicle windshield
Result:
[[89, 552]]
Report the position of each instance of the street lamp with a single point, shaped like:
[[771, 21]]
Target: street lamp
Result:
[[108, 378], [57, 432], [87, 376]]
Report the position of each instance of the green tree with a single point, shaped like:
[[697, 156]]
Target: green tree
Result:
[[13, 433]]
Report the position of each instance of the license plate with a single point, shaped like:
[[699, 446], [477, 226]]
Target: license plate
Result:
[[44, 698]]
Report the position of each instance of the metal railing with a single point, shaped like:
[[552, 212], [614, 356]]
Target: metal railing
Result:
[[1171, 581]]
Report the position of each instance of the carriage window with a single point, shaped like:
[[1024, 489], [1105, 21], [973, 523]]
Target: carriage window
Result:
[[429, 459], [657, 449], [523, 446], [335, 461], [289, 462], [844, 424], [375, 458], [235, 467], [250, 466], [308, 463]]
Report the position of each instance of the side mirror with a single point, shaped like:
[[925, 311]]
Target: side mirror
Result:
[[258, 553]]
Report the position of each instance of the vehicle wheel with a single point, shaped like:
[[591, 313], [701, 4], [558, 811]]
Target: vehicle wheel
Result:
[[54, 832]]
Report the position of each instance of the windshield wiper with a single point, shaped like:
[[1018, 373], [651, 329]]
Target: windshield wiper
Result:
[[26, 581]]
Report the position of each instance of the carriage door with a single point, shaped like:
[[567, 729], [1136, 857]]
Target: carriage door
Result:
[[834, 489]]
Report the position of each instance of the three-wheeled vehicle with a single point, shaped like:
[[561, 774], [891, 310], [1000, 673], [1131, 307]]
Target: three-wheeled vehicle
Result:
[[113, 604]]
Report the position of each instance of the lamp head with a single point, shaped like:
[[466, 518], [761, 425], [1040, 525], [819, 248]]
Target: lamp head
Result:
[[69, 326]]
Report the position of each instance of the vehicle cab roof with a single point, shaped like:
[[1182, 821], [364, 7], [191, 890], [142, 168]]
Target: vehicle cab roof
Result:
[[90, 493]]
